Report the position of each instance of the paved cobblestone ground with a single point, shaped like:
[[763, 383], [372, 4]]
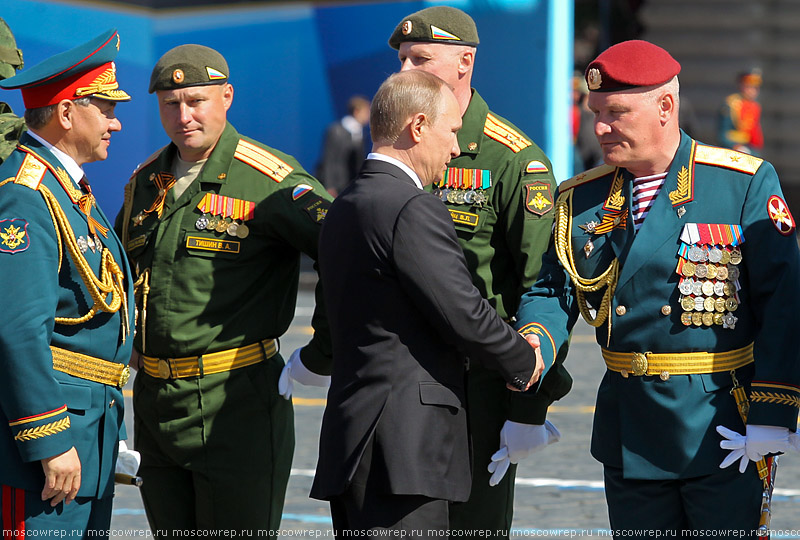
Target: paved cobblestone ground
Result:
[[559, 490]]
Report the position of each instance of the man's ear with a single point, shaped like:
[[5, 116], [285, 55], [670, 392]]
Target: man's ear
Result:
[[666, 107], [416, 126], [465, 61], [65, 109]]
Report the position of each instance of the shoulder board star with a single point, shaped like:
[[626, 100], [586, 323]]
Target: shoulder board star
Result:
[[584, 177], [262, 160], [504, 134], [725, 157]]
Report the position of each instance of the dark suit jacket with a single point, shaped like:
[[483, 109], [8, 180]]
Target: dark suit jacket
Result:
[[404, 315], [342, 157]]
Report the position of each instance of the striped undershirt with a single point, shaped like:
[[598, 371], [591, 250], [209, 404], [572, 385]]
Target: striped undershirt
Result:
[[645, 191]]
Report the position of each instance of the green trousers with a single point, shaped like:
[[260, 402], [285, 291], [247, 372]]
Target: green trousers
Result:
[[216, 450]]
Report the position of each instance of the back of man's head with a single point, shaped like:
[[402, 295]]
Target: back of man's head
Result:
[[400, 97], [10, 55]]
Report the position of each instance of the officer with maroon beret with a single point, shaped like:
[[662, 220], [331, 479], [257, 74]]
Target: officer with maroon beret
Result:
[[683, 256]]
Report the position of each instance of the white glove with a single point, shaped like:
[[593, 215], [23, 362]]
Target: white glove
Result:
[[794, 440], [517, 441], [760, 440], [128, 461], [295, 370]]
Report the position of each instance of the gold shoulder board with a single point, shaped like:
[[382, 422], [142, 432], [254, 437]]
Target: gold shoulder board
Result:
[[724, 157], [264, 161], [31, 172], [587, 176], [505, 134]]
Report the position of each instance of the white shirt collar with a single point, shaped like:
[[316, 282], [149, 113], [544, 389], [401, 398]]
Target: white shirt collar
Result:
[[74, 170], [406, 169]]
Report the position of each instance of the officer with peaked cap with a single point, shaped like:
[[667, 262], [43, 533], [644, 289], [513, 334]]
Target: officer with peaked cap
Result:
[[11, 125], [683, 256], [214, 224], [68, 316], [499, 192]]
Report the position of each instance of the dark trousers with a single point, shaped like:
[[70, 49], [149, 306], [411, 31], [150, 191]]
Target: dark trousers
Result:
[[365, 508], [727, 502]]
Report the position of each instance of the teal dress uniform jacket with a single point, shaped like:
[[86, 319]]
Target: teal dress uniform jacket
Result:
[[636, 414], [44, 412]]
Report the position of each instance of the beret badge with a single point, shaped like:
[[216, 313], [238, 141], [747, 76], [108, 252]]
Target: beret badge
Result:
[[177, 76], [407, 26], [594, 79]]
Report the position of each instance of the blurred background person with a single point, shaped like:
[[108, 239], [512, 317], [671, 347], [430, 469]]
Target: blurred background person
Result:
[[343, 151], [739, 121]]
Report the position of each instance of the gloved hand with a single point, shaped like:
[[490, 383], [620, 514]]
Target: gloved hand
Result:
[[128, 461], [794, 440], [517, 441], [296, 371], [759, 441]]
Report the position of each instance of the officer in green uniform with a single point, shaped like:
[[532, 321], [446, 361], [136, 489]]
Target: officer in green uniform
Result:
[[68, 307], [500, 195], [214, 224], [11, 125], [684, 258]]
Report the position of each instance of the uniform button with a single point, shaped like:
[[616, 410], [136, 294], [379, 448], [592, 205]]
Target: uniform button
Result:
[[664, 375], [621, 310], [624, 374], [112, 403], [666, 310]]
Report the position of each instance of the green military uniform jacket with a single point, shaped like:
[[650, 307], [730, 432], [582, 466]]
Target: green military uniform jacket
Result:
[[43, 411], [662, 425], [211, 291], [504, 237], [11, 129]]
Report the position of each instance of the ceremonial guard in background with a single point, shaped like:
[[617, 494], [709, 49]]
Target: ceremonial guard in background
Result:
[[499, 192], [684, 258], [214, 224], [11, 125], [66, 337], [739, 121]]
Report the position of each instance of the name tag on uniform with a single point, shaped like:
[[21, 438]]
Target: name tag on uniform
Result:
[[464, 218], [211, 244]]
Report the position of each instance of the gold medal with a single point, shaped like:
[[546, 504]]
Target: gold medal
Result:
[[719, 305], [725, 258], [222, 226], [688, 269], [731, 304], [708, 304], [728, 289], [697, 319], [686, 318], [718, 317], [722, 273], [708, 288], [711, 271], [242, 231], [708, 319], [736, 255], [212, 223], [687, 303]]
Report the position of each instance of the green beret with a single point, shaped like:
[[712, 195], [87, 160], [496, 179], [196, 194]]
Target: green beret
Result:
[[188, 65], [437, 24]]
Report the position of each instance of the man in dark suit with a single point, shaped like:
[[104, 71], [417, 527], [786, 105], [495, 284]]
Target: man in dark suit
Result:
[[394, 447], [344, 149]]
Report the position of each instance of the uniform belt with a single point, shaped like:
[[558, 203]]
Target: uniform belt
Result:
[[666, 364], [90, 368], [216, 362]]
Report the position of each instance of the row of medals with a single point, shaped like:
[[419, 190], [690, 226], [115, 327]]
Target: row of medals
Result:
[[474, 197], [708, 286], [222, 225], [89, 242]]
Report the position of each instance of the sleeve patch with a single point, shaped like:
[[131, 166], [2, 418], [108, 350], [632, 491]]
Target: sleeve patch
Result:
[[300, 190], [14, 235], [317, 209], [536, 166], [538, 198], [780, 215]]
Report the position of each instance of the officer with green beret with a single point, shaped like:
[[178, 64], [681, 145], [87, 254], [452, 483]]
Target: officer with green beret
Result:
[[499, 192], [684, 257], [214, 224], [11, 125], [67, 329]]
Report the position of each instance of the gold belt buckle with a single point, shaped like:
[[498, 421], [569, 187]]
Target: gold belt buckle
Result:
[[163, 369], [639, 363], [124, 376]]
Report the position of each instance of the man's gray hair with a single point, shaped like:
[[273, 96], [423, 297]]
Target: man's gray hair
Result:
[[400, 97], [40, 116]]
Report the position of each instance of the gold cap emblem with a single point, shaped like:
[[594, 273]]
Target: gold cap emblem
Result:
[[407, 26], [177, 76], [594, 79], [472, 146]]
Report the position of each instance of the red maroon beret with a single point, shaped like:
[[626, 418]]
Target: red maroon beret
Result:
[[630, 64]]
